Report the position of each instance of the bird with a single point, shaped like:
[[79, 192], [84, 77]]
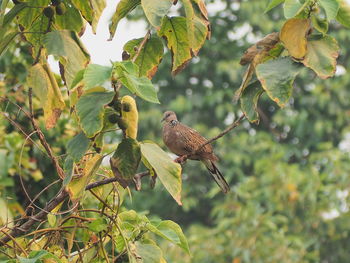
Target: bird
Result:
[[184, 141]]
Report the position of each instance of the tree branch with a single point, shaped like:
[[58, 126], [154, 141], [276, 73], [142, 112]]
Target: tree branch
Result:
[[22, 228]]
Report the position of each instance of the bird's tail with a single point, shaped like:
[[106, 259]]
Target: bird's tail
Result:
[[218, 177]]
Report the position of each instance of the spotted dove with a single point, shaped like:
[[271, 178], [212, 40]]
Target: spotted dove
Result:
[[183, 140]]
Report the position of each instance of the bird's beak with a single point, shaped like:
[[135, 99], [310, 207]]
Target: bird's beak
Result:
[[163, 119]]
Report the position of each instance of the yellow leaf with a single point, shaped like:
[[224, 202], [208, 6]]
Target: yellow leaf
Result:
[[45, 87], [293, 36], [77, 186], [131, 117]]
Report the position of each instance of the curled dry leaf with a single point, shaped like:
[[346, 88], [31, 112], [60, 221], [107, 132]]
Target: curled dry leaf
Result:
[[268, 42]]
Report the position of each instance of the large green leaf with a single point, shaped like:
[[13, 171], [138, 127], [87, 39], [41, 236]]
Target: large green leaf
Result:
[[71, 20], [38, 256], [293, 7], [166, 169], [249, 101], [197, 29], [77, 146], [10, 15], [45, 87], [126, 159], [98, 225], [319, 24], [272, 4], [321, 56], [170, 231], [343, 16], [149, 57], [39, 24], [72, 54], [331, 7], [97, 6], [90, 110], [6, 40], [127, 72], [123, 8], [85, 9], [3, 6], [149, 253], [156, 10], [174, 30], [96, 75], [276, 77], [29, 15]]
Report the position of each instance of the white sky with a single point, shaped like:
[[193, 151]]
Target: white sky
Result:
[[101, 50]]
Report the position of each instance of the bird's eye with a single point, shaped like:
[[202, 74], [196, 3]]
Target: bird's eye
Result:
[[168, 115]]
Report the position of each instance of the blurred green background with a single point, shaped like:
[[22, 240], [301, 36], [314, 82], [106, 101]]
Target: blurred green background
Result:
[[289, 175]]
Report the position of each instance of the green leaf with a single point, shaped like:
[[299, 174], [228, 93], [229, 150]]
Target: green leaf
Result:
[[197, 28], [68, 170], [10, 15], [5, 41], [293, 7], [123, 8], [85, 9], [149, 57], [276, 77], [37, 256], [98, 225], [249, 101], [127, 73], [77, 146], [322, 55], [171, 231], [155, 11], [166, 169], [71, 20], [149, 253], [319, 24], [73, 56], [331, 7], [174, 30], [29, 15], [3, 5], [343, 16], [40, 24], [45, 87], [97, 6], [78, 77], [90, 110], [96, 75], [126, 158], [272, 4]]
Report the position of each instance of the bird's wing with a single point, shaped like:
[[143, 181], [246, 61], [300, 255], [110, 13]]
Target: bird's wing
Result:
[[192, 140]]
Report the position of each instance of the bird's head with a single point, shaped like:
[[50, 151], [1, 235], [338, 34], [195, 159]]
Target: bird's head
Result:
[[169, 116]]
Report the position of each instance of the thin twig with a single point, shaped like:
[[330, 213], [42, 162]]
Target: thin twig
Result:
[[21, 229], [227, 130], [142, 44], [110, 180], [42, 138]]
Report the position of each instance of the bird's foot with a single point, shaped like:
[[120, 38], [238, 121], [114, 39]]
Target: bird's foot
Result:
[[181, 159]]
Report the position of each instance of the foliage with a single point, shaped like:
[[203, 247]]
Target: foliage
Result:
[[282, 189]]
